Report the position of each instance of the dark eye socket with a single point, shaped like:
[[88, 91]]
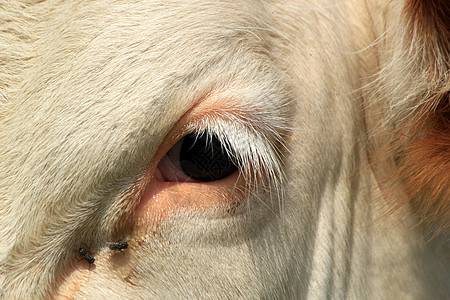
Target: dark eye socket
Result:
[[197, 157]]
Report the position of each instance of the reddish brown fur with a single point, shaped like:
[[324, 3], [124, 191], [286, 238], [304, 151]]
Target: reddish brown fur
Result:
[[424, 160], [424, 166], [421, 150], [421, 145]]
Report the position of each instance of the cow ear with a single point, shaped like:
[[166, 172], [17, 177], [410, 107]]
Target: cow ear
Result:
[[424, 161]]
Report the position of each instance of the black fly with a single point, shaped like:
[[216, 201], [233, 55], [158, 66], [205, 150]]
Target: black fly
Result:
[[87, 255], [118, 245]]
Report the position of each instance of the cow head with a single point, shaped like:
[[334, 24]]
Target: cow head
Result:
[[223, 149]]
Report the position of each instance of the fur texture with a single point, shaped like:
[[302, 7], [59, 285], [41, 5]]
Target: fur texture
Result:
[[336, 112]]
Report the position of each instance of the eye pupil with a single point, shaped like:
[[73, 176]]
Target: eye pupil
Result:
[[203, 158]]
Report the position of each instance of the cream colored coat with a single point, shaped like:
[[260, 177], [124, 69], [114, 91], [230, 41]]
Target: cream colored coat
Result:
[[335, 110]]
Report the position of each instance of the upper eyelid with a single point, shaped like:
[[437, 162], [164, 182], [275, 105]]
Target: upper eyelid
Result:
[[241, 136]]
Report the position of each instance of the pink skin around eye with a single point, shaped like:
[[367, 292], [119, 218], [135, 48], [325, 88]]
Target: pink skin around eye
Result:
[[162, 198], [165, 196]]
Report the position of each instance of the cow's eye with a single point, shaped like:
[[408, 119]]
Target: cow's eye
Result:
[[197, 157]]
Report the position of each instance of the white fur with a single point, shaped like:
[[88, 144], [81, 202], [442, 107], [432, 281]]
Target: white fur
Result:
[[89, 90]]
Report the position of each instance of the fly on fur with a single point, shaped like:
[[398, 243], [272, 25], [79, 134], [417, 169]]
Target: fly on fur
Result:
[[86, 255], [117, 245]]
